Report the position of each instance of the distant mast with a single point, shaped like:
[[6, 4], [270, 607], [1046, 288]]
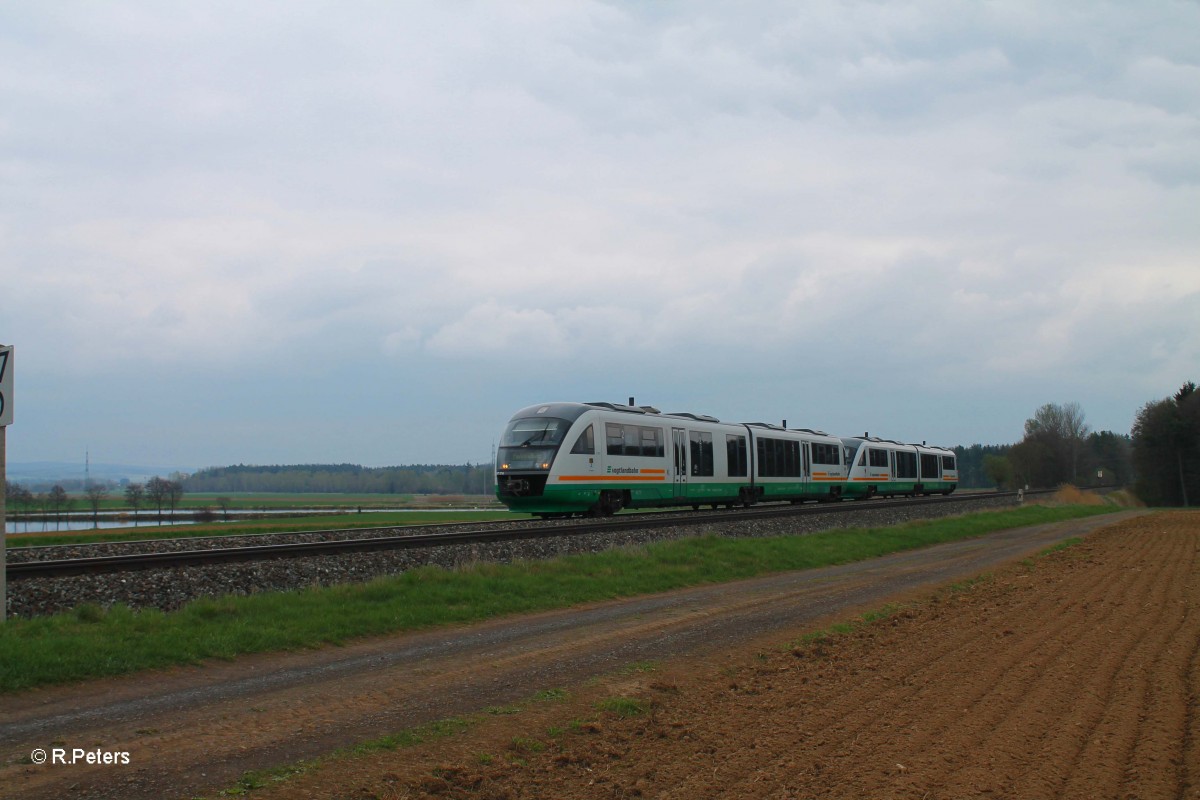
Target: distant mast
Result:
[[87, 468]]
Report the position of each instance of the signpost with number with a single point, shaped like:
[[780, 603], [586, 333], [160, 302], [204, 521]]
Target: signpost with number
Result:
[[6, 418]]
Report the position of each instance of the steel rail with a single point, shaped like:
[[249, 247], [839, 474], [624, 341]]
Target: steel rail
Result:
[[188, 558]]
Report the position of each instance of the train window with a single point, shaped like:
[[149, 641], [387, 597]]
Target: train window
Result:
[[652, 442], [778, 458], [906, 465], [702, 452], [534, 431], [879, 458], [862, 459], [586, 443], [948, 463], [929, 465], [766, 457], [825, 454], [633, 440], [735, 455], [616, 438]]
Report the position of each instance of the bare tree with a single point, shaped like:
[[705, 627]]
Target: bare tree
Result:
[[96, 494], [1062, 429], [174, 493], [134, 493], [17, 497], [224, 503], [157, 492], [57, 500]]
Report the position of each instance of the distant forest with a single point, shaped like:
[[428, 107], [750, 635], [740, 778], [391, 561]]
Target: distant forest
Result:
[[350, 478], [450, 478]]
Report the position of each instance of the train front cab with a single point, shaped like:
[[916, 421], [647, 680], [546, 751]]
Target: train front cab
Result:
[[531, 447]]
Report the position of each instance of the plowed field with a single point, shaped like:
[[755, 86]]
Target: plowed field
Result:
[[1072, 674]]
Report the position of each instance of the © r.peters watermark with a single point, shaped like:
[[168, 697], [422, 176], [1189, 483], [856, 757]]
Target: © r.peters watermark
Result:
[[77, 755]]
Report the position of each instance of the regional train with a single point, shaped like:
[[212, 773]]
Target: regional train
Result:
[[594, 459]]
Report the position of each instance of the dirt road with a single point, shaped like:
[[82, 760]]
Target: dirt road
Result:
[[1073, 677]]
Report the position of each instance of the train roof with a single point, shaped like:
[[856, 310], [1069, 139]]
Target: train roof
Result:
[[573, 411], [878, 440]]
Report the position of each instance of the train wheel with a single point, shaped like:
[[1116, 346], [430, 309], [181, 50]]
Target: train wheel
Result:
[[610, 503]]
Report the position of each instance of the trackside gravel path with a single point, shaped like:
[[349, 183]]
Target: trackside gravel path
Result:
[[1072, 678]]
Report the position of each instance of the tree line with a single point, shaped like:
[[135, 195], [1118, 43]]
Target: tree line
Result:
[[1058, 447], [345, 478], [157, 493], [1166, 435], [1159, 459]]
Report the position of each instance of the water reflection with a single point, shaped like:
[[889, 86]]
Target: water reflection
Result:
[[83, 521]]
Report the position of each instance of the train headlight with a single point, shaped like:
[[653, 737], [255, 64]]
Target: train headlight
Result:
[[504, 466], [546, 465]]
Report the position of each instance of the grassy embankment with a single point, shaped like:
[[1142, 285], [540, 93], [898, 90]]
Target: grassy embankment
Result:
[[92, 642]]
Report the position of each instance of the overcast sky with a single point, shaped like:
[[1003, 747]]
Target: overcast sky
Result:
[[368, 232]]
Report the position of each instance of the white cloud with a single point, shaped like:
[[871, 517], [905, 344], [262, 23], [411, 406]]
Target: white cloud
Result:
[[492, 330], [452, 186]]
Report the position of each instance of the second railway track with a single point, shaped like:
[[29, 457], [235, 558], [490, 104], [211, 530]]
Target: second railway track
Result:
[[321, 543]]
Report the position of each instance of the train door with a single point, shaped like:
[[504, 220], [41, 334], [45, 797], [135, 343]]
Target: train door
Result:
[[807, 475], [679, 438]]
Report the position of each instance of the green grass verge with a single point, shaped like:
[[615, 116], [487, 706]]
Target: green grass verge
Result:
[[91, 642]]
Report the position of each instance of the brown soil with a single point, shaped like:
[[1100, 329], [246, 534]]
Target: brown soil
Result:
[[1071, 675]]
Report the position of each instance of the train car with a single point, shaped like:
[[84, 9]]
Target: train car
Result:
[[598, 458], [938, 470], [886, 467], [796, 464], [558, 459]]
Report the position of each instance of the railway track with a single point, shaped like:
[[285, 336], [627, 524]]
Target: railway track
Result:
[[128, 562]]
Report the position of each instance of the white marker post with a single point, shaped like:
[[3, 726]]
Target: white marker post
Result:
[[6, 417]]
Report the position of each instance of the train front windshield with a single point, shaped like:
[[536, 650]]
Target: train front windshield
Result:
[[530, 443]]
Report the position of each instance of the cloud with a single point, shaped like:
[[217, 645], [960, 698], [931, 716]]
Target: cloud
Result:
[[851, 189]]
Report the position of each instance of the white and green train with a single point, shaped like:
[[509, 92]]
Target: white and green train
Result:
[[559, 459]]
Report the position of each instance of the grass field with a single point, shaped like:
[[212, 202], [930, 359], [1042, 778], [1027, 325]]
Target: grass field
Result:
[[92, 642]]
